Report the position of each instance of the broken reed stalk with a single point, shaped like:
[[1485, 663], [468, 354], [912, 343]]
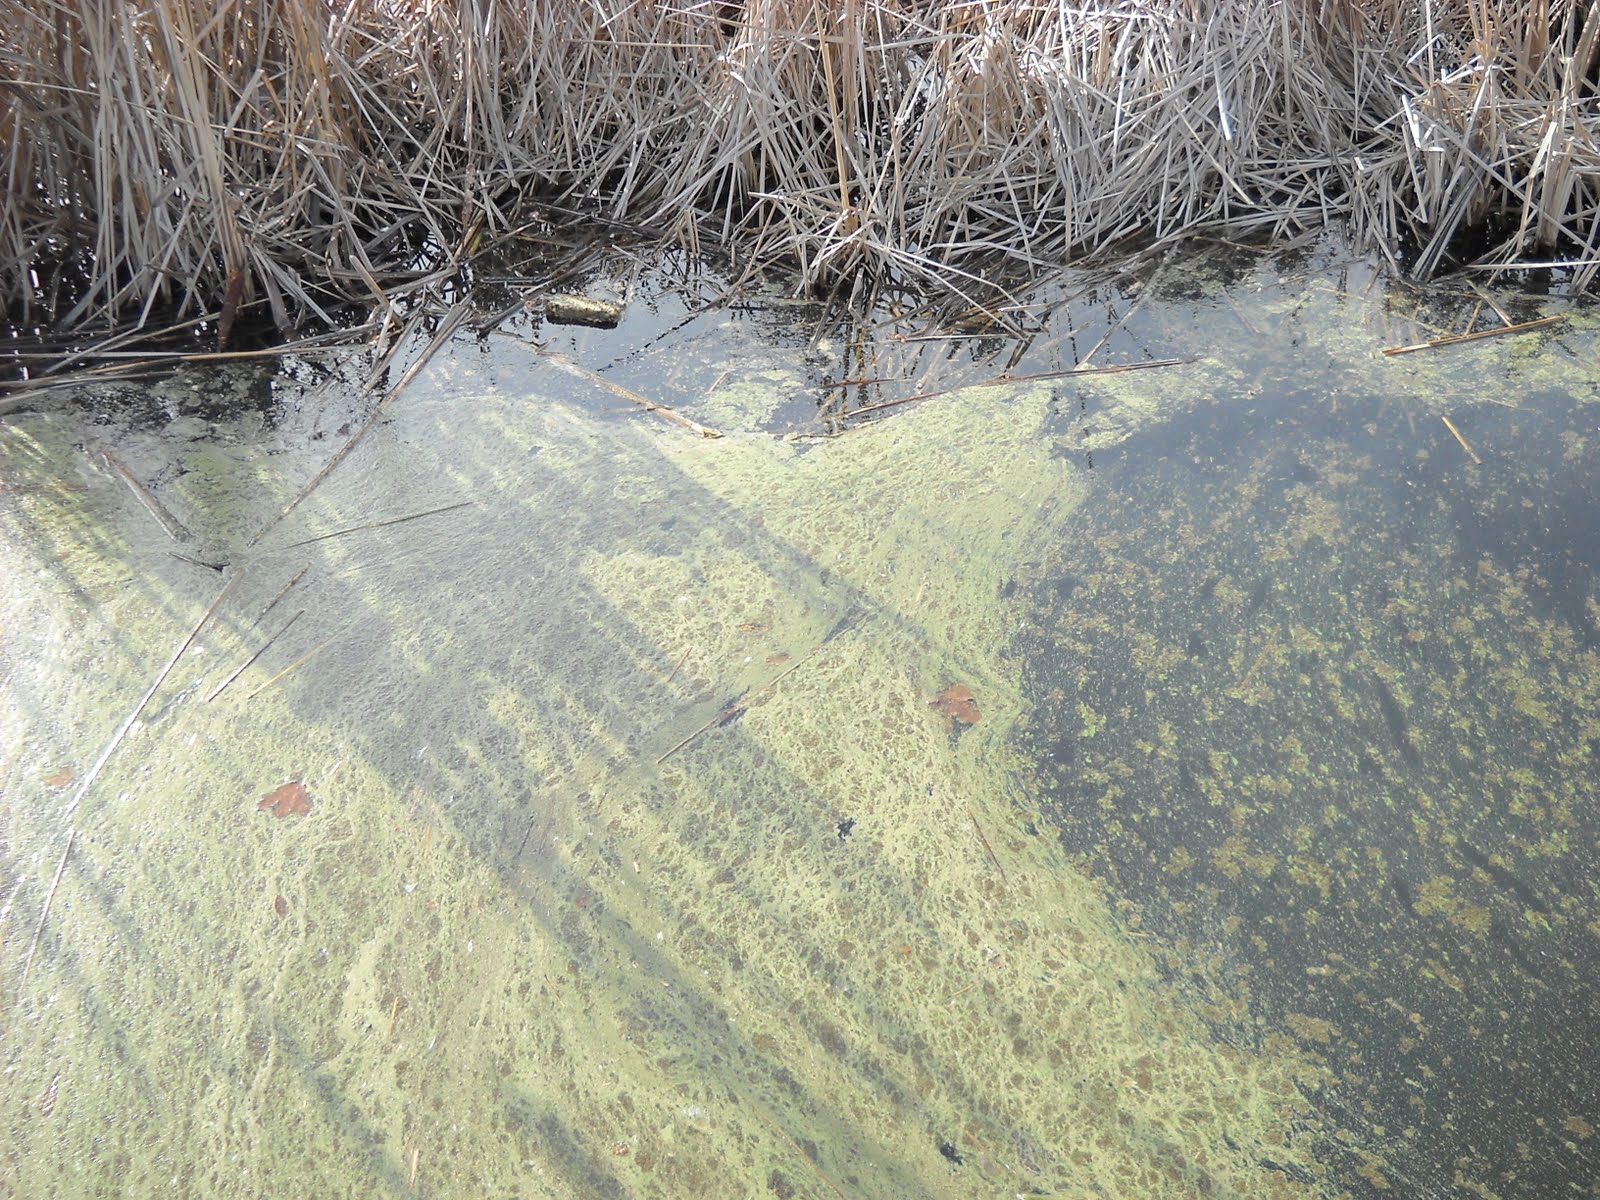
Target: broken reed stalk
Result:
[[988, 849], [1004, 380], [1456, 433], [809, 1161], [416, 516], [1452, 339], [127, 723], [665, 412], [105, 755], [44, 913], [295, 665], [170, 524], [247, 663], [211, 161]]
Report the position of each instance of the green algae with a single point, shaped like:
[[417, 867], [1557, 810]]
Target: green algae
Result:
[[639, 861]]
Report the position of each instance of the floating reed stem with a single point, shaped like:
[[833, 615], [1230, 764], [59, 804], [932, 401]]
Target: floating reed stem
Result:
[[1456, 433], [988, 849], [1453, 338]]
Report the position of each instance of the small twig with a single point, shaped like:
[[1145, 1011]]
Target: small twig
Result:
[[170, 524], [725, 714], [1106, 337], [523, 845], [282, 592], [1489, 300], [982, 838], [1451, 426], [1239, 312], [301, 661], [1453, 338], [682, 658], [44, 914], [665, 412], [245, 666], [218, 567], [322, 537], [808, 1159], [740, 703], [1272, 639]]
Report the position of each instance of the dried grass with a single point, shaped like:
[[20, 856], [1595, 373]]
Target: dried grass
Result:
[[289, 157]]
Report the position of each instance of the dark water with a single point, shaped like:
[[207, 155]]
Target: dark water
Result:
[[1319, 697]]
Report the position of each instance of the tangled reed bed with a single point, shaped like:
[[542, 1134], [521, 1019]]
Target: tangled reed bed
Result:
[[289, 157]]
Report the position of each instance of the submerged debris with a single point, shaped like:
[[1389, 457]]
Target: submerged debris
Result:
[[580, 310], [1395, 718]]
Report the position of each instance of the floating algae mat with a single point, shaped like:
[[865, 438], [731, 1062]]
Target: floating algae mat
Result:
[[1161, 784]]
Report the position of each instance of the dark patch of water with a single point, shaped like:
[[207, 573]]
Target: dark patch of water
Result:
[[1324, 698]]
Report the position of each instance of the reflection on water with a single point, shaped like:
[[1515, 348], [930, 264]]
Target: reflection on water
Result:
[[1319, 697], [660, 824]]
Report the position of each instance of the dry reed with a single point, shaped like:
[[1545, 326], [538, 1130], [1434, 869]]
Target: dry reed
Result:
[[283, 158]]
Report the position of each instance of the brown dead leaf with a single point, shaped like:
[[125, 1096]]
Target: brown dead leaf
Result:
[[60, 779], [957, 703], [755, 626], [774, 659], [280, 906], [288, 800]]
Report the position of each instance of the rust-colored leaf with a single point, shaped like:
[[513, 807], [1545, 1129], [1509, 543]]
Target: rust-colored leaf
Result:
[[774, 659], [755, 626], [280, 906], [60, 779], [957, 703], [288, 800]]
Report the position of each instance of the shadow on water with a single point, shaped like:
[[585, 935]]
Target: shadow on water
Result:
[[1317, 698], [511, 683], [410, 687]]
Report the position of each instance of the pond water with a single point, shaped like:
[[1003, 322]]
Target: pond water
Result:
[[1171, 782]]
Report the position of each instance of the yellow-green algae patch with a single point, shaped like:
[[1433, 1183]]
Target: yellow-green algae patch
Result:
[[639, 861]]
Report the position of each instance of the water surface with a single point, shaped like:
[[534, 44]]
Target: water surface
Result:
[[1138, 784]]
